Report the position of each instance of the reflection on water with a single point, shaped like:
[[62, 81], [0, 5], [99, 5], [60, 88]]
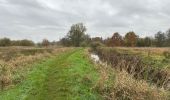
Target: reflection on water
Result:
[[95, 57]]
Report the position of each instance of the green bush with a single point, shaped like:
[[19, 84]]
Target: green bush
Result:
[[95, 45], [84, 44], [5, 42]]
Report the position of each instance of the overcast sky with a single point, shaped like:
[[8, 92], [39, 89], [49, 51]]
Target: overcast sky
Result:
[[51, 19]]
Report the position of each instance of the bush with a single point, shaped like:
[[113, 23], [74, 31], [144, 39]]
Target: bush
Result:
[[95, 45], [5, 42], [45, 42], [166, 54], [26, 43], [84, 44]]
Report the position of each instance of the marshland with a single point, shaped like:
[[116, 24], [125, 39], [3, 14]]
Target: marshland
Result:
[[91, 68], [84, 50]]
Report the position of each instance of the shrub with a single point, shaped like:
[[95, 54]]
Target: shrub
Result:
[[95, 45], [26, 43], [84, 44], [5, 42], [166, 54], [45, 42]]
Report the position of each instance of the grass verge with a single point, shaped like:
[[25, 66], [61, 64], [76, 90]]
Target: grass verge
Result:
[[68, 76]]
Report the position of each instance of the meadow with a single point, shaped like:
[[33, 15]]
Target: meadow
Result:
[[84, 50], [15, 63], [31, 73]]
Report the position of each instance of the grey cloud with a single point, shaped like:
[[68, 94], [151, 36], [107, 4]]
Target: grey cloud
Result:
[[51, 19]]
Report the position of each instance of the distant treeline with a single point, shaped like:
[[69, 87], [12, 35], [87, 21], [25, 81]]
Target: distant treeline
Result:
[[132, 40], [8, 42], [4, 42], [76, 37]]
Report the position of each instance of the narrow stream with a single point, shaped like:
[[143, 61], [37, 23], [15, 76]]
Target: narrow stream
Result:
[[95, 57]]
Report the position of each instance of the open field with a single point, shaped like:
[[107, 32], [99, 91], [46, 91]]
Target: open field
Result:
[[15, 62], [70, 74], [84, 50]]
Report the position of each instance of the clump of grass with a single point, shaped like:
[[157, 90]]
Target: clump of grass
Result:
[[127, 88], [9, 53], [166, 54], [119, 85], [5, 75], [34, 51], [25, 60]]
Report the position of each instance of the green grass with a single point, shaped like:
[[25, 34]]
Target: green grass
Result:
[[156, 58], [68, 76]]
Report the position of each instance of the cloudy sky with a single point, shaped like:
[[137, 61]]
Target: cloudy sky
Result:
[[51, 19]]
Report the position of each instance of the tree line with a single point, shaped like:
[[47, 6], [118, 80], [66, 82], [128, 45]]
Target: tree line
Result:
[[77, 37], [132, 40], [8, 42], [4, 42]]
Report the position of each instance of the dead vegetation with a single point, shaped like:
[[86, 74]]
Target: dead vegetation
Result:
[[127, 88], [127, 77], [5, 75], [134, 65], [119, 85], [16, 62]]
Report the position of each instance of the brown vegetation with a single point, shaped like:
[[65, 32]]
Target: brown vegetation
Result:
[[125, 76], [15, 61], [119, 85], [134, 65]]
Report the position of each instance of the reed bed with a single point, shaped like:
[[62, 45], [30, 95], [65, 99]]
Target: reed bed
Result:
[[124, 75]]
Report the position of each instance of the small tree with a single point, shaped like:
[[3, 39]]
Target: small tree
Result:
[[45, 42], [5, 75], [168, 38], [160, 39], [148, 41], [116, 39], [76, 34], [140, 42], [5, 42], [131, 39]]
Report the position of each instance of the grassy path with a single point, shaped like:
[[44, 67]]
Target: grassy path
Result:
[[68, 76]]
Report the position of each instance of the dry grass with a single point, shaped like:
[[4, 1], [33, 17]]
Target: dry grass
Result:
[[145, 50], [5, 75], [119, 85], [127, 88], [134, 65], [13, 70]]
